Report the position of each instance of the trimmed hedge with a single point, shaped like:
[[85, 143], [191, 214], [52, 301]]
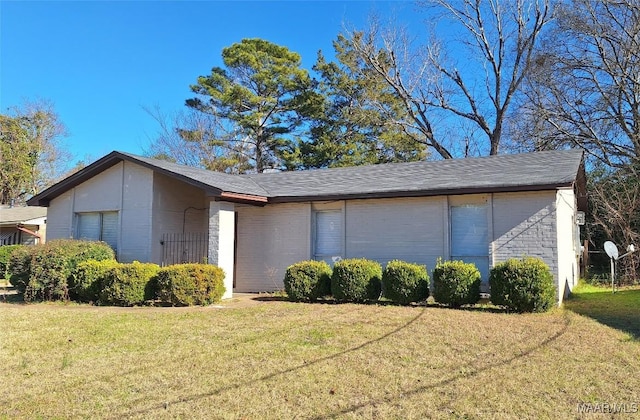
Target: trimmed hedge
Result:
[[523, 285], [356, 280], [404, 282], [189, 284], [86, 280], [19, 267], [456, 283], [5, 254], [128, 284], [307, 280], [51, 266]]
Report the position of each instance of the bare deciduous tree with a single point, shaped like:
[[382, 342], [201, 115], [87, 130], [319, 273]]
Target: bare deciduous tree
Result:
[[197, 139], [493, 52], [585, 90]]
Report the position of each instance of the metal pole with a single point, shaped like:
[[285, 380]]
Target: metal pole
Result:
[[613, 274]]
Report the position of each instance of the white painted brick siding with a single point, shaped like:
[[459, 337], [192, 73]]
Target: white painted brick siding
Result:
[[60, 217], [126, 188], [409, 229], [171, 198], [136, 215], [568, 260], [525, 224], [270, 239], [221, 241]]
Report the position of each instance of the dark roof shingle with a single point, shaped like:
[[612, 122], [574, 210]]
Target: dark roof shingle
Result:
[[519, 172], [503, 172]]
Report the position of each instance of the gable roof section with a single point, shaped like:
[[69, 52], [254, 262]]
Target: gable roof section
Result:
[[214, 183], [521, 172]]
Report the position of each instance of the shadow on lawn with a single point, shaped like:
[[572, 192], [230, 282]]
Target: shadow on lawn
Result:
[[484, 305], [620, 310], [467, 370]]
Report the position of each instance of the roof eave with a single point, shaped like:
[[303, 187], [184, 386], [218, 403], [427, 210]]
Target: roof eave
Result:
[[420, 193], [243, 198]]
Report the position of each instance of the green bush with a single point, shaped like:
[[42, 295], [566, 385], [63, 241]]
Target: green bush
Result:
[[87, 279], [51, 266], [189, 284], [404, 282], [5, 254], [19, 267], [456, 283], [307, 280], [524, 285], [128, 284], [356, 280]]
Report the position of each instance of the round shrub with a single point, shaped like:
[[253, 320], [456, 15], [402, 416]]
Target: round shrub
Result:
[[127, 284], [307, 280], [356, 280], [189, 284], [524, 285], [456, 283], [404, 282], [87, 279], [5, 254]]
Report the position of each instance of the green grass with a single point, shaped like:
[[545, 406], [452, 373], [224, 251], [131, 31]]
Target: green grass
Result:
[[620, 310], [279, 360]]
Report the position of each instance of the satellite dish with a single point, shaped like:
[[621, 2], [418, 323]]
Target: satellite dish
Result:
[[611, 249]]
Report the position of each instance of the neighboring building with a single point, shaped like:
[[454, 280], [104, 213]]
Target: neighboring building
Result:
[[22, 225], [480, 210]]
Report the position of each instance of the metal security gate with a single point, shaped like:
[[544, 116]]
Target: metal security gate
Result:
[[181, 248]]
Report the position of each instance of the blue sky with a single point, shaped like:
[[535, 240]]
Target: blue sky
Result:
[[100, 63]]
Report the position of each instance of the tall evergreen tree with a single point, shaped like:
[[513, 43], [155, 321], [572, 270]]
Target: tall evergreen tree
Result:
[[261, 92], [357, 123]]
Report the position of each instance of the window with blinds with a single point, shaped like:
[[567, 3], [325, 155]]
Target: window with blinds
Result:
[[98, 226], [470, 236], [328, 235]]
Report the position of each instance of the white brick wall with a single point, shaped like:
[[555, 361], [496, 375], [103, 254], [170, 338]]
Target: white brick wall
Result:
[[126, 188], [221, 241], [171, 198], [525, 224], [409, 229], [568, 269], [270, 239]]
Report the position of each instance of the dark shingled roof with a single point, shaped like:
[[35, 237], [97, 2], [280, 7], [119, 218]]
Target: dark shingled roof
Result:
[[521, 172], [215, 180], [527, 171]]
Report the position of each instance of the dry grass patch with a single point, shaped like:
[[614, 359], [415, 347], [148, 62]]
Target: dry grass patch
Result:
[[285, 360]]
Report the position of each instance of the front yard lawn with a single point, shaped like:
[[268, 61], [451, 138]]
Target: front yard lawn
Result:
[[280, 360], [620, 310]]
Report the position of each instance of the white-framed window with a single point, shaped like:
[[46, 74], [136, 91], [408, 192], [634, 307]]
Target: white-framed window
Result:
[[328, 235], [98, 226]]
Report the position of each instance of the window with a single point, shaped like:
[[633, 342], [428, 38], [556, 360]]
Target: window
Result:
[[99, 226], [328, 235], [470, 236]]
